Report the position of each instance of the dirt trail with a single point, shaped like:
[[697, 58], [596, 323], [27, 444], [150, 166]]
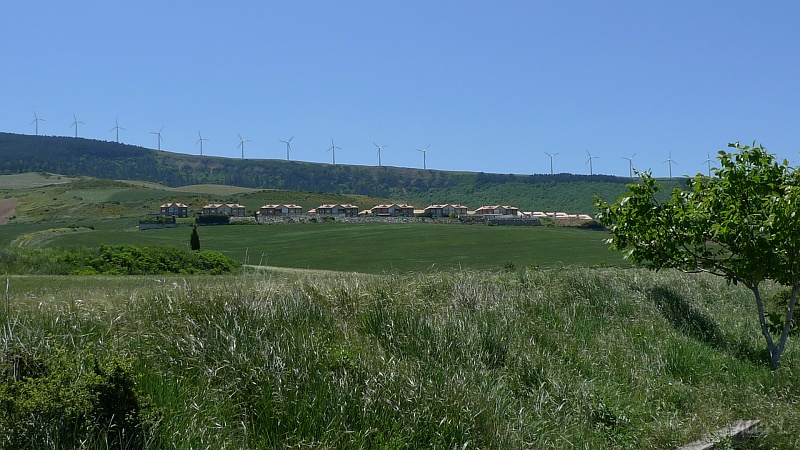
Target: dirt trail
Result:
[[7, 208]]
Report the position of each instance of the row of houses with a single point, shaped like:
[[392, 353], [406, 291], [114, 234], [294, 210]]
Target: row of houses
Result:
[[178, 210]]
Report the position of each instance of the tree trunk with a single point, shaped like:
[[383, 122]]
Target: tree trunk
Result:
[[774, 352]]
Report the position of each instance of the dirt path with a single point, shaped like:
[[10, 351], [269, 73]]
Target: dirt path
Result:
[[7, 207]]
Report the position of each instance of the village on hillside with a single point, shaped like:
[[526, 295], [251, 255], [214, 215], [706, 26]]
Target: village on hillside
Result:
[[215, 213]]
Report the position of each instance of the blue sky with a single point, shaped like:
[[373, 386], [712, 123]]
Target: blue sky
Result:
[[489, 86]]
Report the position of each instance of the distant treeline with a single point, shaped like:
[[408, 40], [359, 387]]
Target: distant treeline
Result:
[[102, 159]]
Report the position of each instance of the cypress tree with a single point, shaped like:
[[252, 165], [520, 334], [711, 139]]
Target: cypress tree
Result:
[[194, 240]]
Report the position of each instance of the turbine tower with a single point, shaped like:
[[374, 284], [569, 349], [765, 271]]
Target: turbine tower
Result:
[[333, 151], [158, 133], [630, 164], [117, 127], [708, 161], [288, 146], [589, 161], [424, 157], [241, 143], [75, 124], [379, 152], [201, 142], [670, 162], [36, 121], [551, 161]]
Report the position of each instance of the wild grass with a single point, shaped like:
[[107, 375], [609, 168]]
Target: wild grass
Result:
[[566, 358]]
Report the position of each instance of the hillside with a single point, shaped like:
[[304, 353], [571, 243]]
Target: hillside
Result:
[[52, 199], [77, 156]]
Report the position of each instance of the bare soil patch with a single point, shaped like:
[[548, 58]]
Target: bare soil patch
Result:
[[7, 208]]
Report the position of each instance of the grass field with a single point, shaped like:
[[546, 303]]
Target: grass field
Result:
[[112, 209], [571, 358], [31, 180], [368, 247]]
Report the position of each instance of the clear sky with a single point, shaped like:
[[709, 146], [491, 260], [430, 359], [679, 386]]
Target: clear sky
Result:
[[489, 85]]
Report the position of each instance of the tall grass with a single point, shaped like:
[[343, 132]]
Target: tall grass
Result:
[[567, 358]]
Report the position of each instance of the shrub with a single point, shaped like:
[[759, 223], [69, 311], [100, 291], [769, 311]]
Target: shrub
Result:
[[60, 401], [114, 260], [159, 220], [213, 219], [130, 260]]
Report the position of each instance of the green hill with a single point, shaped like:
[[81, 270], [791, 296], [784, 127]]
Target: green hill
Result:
[[84, 157], [88, 199]]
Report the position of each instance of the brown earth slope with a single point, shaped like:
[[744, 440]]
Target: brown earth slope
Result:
[[7, 206]]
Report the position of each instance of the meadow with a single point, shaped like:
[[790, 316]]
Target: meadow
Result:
[[528, 358], [349, 247], [89, 212]]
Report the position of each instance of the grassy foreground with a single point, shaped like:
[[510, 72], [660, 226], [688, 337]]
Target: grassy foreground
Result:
[[567, 358]]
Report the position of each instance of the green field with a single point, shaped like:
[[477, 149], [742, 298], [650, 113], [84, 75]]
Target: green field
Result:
[[89, 212], [359, 247]]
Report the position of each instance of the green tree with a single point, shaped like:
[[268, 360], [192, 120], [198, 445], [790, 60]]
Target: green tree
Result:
[[742, 224], [194, 240]]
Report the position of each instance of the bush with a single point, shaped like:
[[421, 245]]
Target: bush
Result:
[[593, 225], [130, 260], [114, 260], [159, 220], [43, 261], [213, 219], [60, 401]]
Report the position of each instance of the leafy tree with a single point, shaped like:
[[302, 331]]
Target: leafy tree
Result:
[[742, 224], [194, 240]]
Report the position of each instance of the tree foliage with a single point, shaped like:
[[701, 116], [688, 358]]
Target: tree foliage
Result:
[[194, 240], [742, 224], [115, 260], [58, 400]]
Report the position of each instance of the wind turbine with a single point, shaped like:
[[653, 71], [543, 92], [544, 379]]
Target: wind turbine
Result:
[[117, 127], [708, 161], [379, 152], [241, 143], [36, 121], [630, 164], [158, 133], [591, 172], [201, 142], [551, 161], [333, 150], [670, 162], [424, 157], [75, 124], [288, 146]]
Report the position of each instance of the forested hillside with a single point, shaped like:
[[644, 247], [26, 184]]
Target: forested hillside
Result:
[[102, 159]]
